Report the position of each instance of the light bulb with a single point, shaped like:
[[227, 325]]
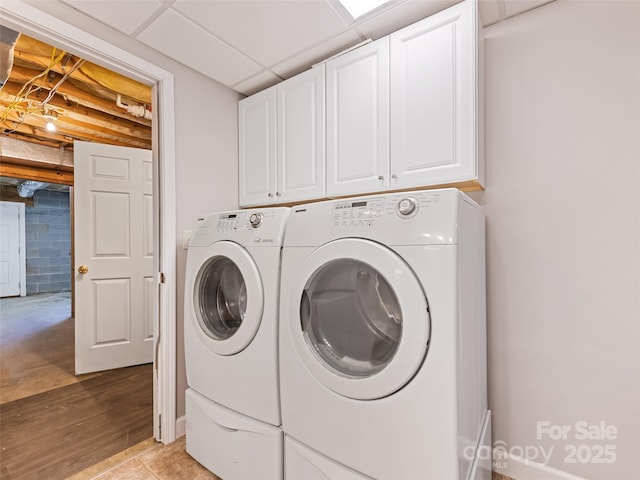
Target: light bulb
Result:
[[51, 127]]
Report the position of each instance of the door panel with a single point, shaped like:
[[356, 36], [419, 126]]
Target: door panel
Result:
[[257, 149], [358, 120], [112, 320], [433, 102], [301, 136], [113, 238]]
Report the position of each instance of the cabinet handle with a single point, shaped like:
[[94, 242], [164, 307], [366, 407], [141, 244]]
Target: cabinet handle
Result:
[[380, 177], [394, 176], [270, 195], [278, 194]]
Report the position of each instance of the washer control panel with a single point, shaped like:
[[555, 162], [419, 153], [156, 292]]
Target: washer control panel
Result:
[[256, 227], [228, 222]]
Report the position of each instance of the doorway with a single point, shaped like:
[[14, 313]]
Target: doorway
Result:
[[47, 412], [34, 22]]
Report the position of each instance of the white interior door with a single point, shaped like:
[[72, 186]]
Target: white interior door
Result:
[[113, 234], [12, 249]]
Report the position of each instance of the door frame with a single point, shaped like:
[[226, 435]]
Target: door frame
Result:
[[38, 24]]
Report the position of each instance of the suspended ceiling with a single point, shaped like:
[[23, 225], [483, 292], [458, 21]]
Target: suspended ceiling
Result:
[[249, 45], [246, 45]]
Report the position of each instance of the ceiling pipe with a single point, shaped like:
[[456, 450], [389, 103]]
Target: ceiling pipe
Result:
[[27, 188], [8, 39], [135, 110]]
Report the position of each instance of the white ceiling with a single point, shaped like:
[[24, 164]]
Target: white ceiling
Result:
[[249, 45]]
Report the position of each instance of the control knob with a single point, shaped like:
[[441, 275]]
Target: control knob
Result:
[[256, 219], [407, 206]]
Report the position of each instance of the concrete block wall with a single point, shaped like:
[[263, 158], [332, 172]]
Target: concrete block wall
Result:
[[48, 242]]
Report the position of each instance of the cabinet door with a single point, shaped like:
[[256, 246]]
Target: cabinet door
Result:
[[358, 120], [257, 148], [301, 137], [433, 99]]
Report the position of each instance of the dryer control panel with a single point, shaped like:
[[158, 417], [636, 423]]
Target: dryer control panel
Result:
[[357, 213], [418, 217], [362, 213]]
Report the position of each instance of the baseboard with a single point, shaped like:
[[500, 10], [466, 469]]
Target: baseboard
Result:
[[181, 426], [519, 468]]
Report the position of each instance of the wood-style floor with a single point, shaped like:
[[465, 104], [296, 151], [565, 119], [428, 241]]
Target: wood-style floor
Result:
[[36, 345], [52, 423]]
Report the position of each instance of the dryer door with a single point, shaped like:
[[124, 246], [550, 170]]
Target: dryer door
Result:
[[227, 297], [360, 319]]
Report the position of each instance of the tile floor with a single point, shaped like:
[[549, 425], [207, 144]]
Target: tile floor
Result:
[[148, 460]]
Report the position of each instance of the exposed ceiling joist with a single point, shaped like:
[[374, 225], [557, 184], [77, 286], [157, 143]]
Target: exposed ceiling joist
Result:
[[83, 100]]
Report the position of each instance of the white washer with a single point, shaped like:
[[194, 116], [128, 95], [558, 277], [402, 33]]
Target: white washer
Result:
[[383, 338], [231, 343]]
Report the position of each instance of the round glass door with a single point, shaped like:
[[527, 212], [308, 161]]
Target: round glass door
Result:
[[358, 318], [351, 318], [223, 298], [227, 297]]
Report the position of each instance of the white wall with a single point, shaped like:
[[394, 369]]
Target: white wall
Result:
[[563, 226], [206, 173], [206, 146]]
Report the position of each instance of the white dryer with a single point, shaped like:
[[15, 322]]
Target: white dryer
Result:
[[383, 338], [231, 343]]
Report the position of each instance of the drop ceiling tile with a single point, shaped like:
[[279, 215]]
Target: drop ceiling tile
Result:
[[514, 7], [268, 31], [123, 16], [256, 83], [304, 60], [489, 12], [182, 40], [388, 21]]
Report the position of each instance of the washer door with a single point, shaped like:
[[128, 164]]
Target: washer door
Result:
[[228, 299], [359, 318]]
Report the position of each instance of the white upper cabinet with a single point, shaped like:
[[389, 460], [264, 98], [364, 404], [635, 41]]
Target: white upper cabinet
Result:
[[435, 125], [405, 111], [257, 148], [301, 137], [358, 120], [282, 142]]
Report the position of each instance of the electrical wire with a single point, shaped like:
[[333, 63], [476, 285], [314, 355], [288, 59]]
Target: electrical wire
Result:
[[52, 92], [30, 87]]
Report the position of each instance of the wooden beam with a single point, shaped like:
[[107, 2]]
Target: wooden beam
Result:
[[71, 95], [33, 51], [34, 125], [9, 193], [35, 173], [81, 113], [26, 133]]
